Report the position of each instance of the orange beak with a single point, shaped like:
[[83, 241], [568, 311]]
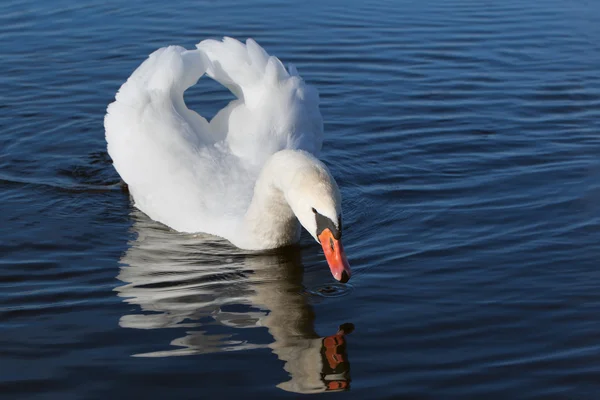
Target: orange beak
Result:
[[336, 258]]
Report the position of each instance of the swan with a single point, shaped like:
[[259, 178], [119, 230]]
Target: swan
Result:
[[251, 174]]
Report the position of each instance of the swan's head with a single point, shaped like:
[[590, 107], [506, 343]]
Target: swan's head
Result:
[[315, 199]]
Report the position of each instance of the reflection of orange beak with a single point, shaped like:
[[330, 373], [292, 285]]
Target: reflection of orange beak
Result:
[[336, 258], [336, 370], [337, 385]]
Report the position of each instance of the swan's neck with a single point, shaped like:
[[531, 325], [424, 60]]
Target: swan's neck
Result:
[[270, 222]]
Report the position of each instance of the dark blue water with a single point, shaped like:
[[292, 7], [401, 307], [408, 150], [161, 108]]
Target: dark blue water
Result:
[[465, 137]]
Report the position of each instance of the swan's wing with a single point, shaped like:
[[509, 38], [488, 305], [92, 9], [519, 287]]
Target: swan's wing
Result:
[[275, 109], [168, 155]]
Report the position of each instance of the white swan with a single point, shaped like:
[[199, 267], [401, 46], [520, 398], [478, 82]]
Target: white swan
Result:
[[251, 173]]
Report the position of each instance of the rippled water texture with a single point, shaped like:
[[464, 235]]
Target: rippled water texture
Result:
[[464, 135]]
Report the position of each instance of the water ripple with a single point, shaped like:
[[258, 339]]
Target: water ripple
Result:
[[464, 137]]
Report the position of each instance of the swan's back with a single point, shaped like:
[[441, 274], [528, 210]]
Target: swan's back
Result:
[[194, 175]]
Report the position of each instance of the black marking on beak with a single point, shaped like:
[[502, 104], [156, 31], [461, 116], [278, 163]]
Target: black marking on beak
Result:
[[345, 277], [324, 222]]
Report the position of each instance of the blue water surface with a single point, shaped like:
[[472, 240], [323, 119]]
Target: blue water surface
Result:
[[465, 137]]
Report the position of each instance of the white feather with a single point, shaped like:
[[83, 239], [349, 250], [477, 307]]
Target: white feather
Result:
[[200, 176]]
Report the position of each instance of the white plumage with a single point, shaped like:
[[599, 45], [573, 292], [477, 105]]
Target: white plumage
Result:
[[250, 173]]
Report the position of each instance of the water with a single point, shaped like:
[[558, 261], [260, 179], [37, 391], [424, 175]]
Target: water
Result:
[[464, 136]]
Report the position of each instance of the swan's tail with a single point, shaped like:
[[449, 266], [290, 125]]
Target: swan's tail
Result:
[[243, 67]]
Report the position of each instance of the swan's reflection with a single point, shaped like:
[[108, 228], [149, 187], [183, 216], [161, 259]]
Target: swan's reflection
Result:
[[198, 282]]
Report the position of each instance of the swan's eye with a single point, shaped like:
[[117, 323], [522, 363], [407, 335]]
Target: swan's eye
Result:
[[331, 244], [314, 211]]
